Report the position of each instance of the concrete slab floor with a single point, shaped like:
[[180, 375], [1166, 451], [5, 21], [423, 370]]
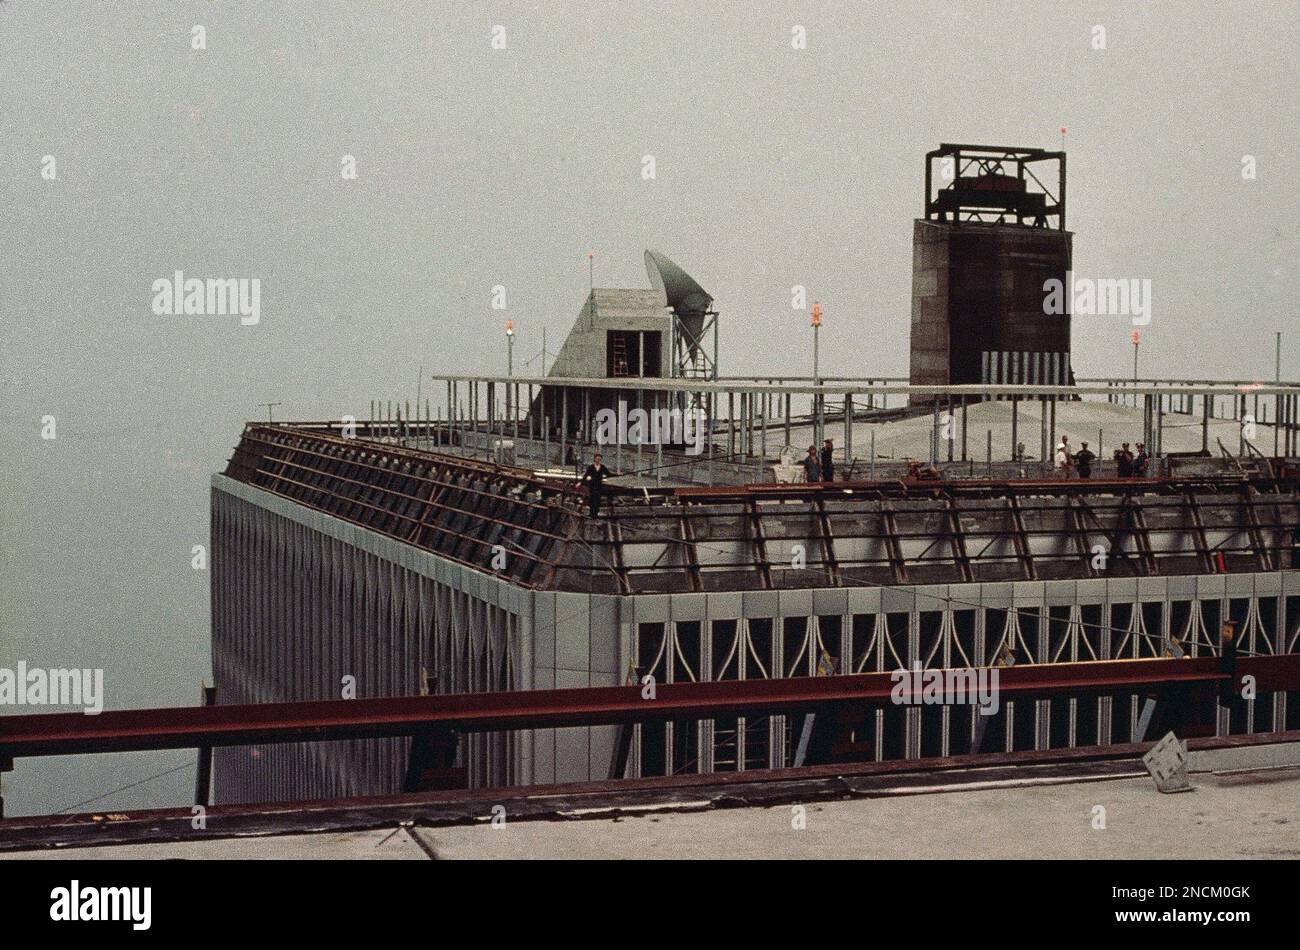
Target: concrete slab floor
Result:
[[1081, 421], [1254, 814], [378, 844], [1244, 815]]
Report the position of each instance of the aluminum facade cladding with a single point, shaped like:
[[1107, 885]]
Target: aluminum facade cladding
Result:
[[302, 601]]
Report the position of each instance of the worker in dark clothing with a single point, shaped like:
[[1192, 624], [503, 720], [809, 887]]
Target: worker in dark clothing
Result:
[[1083, 460], [594, 478], [828, 464], [1124, 461], [1142, 462], [811, 466]]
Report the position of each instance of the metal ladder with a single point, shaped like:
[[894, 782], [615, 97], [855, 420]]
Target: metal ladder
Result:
[[620, 355]]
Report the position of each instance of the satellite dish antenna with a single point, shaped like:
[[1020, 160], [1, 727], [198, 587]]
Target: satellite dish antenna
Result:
[[690, 303]]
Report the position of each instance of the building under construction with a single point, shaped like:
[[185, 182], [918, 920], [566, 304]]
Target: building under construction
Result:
[[445, 548]]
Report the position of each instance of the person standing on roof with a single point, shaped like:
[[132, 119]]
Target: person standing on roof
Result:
[[828, 461], [811, 466], [1064, 460], [1083, 460], [1124, 461], [1141, 462], [594, 477]]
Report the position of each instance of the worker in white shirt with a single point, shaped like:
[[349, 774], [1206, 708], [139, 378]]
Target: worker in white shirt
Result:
[[1064, 460]]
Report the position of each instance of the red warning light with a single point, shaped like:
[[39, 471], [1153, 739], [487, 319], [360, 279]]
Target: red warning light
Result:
[[816, 314]]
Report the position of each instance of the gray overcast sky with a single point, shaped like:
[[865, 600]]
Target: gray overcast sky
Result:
[[478, 167]]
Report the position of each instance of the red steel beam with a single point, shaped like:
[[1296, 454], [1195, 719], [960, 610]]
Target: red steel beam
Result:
[[189, 727], [966, 487]]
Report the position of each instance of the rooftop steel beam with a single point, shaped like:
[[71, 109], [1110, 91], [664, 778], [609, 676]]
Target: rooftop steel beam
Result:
[[869, 532], [841, 388], [190, 727]]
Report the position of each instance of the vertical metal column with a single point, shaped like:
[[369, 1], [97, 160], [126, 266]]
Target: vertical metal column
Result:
[[1291, 425], [1015, 420], [821, 416], [745, 445], [963, 428], [1042, 433], [1277, 421], [1288, 425], [1279, 426], [934, 433], [659, 443], [712, 404], [848, 430], [1051, 433], [751, 418], [1160, 426], [564, 423], [1205, 423], [586, 417], [731, 425], [618, 442], [744, 432], [1241, 428], [546, 434]]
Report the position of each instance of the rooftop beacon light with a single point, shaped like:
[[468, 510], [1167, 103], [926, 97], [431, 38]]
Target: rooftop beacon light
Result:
[[510, 347], [816, 322]]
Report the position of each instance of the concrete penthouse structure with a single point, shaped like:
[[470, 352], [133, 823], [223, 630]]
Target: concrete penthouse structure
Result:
[[619, 333], [989, 241], [629, 334]]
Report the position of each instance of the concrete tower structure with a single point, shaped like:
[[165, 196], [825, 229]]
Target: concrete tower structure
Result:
[[989, 241]]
